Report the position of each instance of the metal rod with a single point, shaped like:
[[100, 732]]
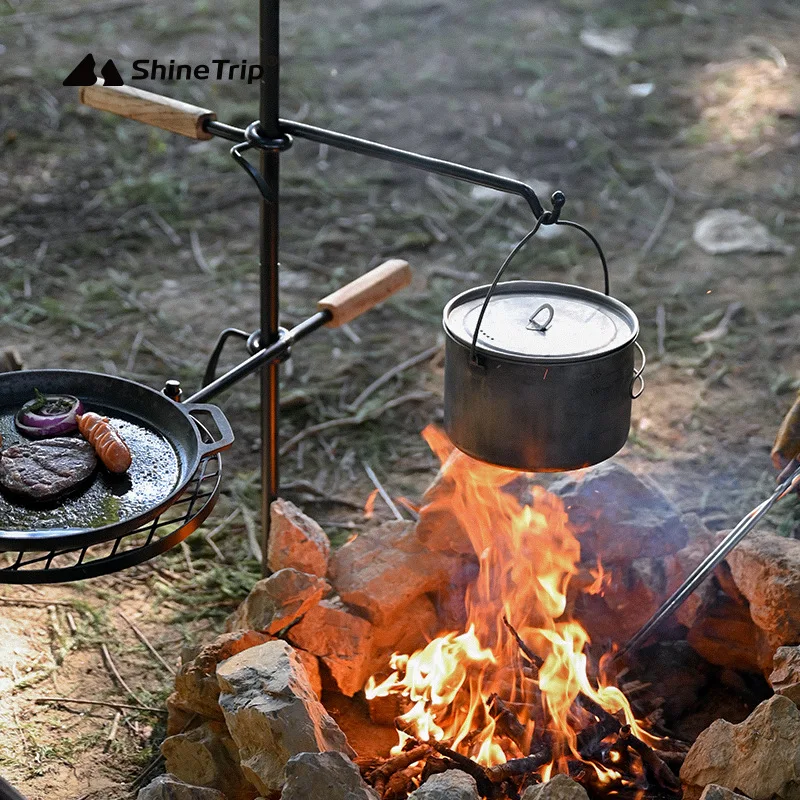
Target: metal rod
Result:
[[427, 163], [224, 131], [353, 144], [269, 56], [262, 358], [708, 564]]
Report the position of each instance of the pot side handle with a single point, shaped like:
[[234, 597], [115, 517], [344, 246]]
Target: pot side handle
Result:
[[638, 374], [226, 439]]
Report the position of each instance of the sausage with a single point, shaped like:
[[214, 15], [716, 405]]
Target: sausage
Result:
[[108, 444]]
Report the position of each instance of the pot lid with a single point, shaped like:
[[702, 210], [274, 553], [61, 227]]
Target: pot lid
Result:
[[541, 321]]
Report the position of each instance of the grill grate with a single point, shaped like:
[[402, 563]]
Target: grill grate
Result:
[[169, 529]]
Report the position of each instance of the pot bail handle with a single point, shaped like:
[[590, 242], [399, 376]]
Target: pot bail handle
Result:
[[548, 218]]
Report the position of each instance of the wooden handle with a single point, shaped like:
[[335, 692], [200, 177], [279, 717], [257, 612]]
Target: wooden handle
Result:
[[787, 442], [152, 109], [365, 292]]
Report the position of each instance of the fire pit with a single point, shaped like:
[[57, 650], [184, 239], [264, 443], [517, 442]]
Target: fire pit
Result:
[[469, 654]]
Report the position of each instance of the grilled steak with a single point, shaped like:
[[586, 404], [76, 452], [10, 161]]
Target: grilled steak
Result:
[[46, 469]]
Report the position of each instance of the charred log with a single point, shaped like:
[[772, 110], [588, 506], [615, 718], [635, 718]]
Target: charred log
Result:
[[519, 766], [401, 784], [380, 776], [535, 660], [466, 764], [507, 722], [663, 775]]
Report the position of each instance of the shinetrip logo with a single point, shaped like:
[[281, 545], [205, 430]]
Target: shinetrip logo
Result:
[[220, 69]]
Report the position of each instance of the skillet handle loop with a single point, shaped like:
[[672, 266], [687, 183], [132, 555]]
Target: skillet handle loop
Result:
[[226, 439], [639, 373]]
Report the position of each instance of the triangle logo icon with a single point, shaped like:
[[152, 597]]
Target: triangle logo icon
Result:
[[83, 74], [110, 73]]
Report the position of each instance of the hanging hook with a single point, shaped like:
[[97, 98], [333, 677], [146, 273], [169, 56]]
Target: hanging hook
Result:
[[268, 193]]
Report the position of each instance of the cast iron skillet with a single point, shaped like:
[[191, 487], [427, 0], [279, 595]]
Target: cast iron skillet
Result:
[[164, 440]]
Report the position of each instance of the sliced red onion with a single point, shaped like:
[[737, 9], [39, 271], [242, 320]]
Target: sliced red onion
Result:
[[51, 415]]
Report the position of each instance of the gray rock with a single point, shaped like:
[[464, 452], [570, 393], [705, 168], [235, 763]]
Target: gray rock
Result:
[[559, 787], [196, 687], [619, 516], [324, 776], [278, 600], [168, 787], [341, 639], [207, 756], [272, 713], [714, 792], [766, 568], [785, 677], [296, 540], [759, 757], [450, 785]]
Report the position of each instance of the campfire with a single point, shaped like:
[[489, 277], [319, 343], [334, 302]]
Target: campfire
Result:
[[514, 697]]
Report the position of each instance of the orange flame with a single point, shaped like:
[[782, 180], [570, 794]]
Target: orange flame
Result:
[[527, 555]]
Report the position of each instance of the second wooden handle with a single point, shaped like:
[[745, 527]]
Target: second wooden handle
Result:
[[364, 293], [152, 109], [787, 442]]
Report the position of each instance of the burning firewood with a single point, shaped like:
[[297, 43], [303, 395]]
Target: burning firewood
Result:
[[536, 661], [507, 722], [519, 766], [380, 776], [401, 784], [589, 738], [652, 761], [466, 764]]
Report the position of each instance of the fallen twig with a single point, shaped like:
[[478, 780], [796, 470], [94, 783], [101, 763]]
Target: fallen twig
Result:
[[661, 224], [112, 734], [112, 667], [252, 536], [346, 422], [146, 642], [197, 252], [307, 486], [109, 704], [187, 557], [387, 376], [24, 601], [382, 492]]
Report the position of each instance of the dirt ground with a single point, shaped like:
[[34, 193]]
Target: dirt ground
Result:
[[125, 250]]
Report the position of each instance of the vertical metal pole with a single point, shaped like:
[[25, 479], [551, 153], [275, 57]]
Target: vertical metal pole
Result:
[[269, 57]]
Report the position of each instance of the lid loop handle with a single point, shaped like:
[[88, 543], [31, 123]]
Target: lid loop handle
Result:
[[547, 218], [541, 327]]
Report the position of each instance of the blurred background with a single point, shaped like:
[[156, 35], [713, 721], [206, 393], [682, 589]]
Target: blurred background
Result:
[[125, 250]]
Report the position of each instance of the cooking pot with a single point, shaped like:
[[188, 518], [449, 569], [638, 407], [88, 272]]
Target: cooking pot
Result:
[[540, 376]]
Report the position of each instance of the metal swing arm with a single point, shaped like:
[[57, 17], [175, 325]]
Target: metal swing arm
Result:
[[201, 123]]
